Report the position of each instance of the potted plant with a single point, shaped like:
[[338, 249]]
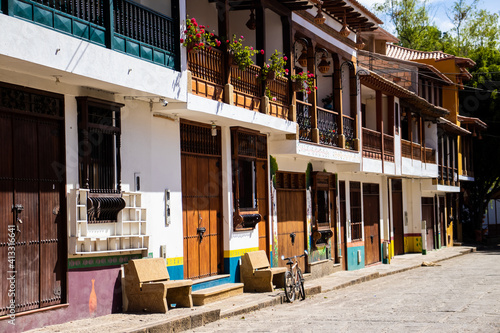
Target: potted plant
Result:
[[275, 67], [196, 37], [240, 55], [303, 82], [328, 102]]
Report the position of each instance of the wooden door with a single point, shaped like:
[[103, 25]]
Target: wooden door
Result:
[[371, 216], [343, 242], [262, 202], [291, 211], [201, 201], [428, 216], [397, 217], [32, 178]]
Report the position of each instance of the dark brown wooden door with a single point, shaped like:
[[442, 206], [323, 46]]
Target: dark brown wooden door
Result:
[[32, 177], [201, 202], [371, 216], [397, 216], [428, 216], [262, 201], [291, 202], [342, 212]]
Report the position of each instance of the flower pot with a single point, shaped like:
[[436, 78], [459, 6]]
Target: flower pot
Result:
[[297, 85], [271, 75]]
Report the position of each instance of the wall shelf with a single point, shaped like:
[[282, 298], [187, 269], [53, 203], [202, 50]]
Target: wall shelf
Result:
[[128, 234]]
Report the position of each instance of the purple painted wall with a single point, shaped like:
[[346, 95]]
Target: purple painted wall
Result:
[[108, 299]]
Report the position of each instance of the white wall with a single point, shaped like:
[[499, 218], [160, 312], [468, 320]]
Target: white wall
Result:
[[163, 7], [204, 12], [274, 33]]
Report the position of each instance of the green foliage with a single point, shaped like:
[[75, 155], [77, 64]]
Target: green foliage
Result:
[[242, 55], [412, 23], [305, 78], [275, 64], [309, 171], [197, 37], [274, 168]]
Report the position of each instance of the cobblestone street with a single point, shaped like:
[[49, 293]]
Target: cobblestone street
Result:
[[458, 295]]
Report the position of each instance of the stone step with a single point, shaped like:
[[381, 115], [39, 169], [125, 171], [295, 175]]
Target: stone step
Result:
[[209, 295]]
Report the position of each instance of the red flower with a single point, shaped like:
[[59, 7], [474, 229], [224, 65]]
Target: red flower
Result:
[[209, 47], [261, 51], [201, 44], [193, 20], [285, 58], [195, 24], [316, 88], [182, 40], [309, 92], [211, 34], [227, 40], [218, 43], [198, 35]]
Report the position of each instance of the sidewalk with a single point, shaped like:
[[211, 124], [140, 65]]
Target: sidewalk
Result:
[[177, 320]]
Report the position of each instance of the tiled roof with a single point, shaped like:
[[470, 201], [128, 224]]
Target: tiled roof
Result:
[[403, 53], [375, 81], [473, 121], [452, 128]]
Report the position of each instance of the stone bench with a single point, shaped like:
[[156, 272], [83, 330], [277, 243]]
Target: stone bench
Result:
[[148, 287], [257, 274]]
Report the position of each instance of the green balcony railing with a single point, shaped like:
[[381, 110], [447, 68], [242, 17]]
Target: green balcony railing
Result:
[[121, 25]]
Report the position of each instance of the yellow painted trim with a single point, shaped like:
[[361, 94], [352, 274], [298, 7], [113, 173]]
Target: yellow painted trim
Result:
[[413, 244], [175, 261], [238, 253]]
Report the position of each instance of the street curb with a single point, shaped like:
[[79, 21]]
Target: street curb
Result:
[[187, 322]]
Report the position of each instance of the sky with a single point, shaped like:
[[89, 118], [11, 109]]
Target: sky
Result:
[[438, 11]]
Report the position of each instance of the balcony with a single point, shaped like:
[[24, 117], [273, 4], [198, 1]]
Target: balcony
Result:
[[416, 152], [120, 25], [327, 126], [211, 74], [373, 147]]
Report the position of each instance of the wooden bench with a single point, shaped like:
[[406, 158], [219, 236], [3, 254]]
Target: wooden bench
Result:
[[257, 274], [148, 287]]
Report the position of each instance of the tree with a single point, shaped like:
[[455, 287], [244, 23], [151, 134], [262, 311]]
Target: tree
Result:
[[412, 23], [459, 14]]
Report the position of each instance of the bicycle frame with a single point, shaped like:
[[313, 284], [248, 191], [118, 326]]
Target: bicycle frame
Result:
[[294, 281]]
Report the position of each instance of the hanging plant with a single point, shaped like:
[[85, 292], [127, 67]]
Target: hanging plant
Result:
[[275, 67], [304, 82], [240, 55], [196, 37]]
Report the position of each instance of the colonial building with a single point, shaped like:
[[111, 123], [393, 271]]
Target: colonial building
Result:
[[118, 142]]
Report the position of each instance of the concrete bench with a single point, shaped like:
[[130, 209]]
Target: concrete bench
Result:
[[257, 274], [148, 287]]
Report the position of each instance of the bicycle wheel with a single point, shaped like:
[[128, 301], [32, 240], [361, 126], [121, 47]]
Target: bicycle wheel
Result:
[[289, 287], [300, 284]]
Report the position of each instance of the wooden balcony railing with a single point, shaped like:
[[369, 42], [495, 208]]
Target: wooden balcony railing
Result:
[[388, 148], [327, 126], [447, 174], [207, 70], [135, 29], [417, 151], [349, 131], [406, 148], [372, 144], [304, 120], [247, 91], [356, 231], [430, 155], [279, 104]]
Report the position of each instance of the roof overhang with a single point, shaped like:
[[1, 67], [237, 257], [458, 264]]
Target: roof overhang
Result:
[[450, 127], [377, 82]]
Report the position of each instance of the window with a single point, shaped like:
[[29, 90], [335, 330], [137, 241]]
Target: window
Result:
[[99, 145], [396, 118], [324, 194], [249, 149]]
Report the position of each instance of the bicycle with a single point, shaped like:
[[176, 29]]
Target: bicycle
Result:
[[294, 280]]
